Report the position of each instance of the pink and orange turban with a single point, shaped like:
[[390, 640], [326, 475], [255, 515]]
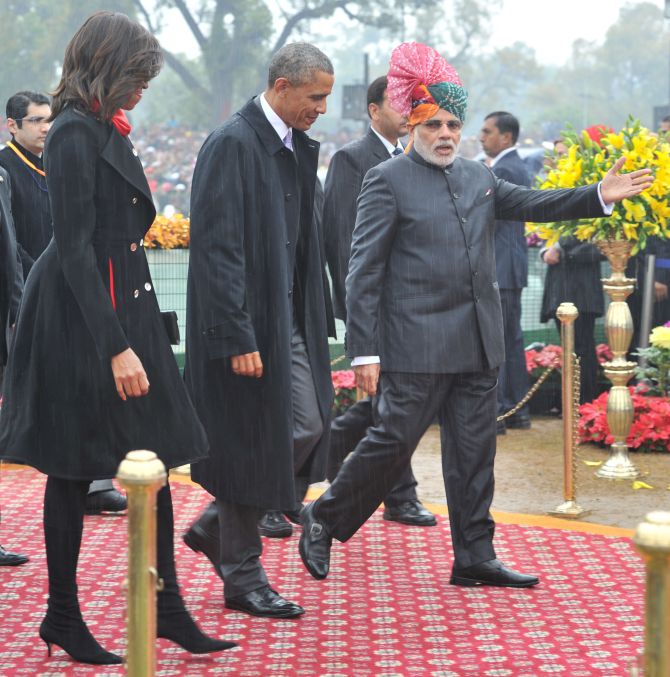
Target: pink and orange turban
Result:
[[420, 82]]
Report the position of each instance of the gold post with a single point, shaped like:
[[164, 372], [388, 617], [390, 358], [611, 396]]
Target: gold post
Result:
[[567, 314], [652, 539], [619, 331], [142, 474]]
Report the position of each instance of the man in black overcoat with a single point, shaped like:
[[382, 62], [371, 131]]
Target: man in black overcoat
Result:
[[422, 294], [11, 285], [498, 137], [28, 114], [257, 361], [346, 172]]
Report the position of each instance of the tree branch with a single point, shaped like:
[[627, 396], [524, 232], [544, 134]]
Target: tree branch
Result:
[[186, 76], [191, 23]]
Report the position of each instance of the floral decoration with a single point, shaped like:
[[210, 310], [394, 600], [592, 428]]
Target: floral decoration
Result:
[[655, 374], [651, 422], [344, 383], [587, 161], [169, 232]]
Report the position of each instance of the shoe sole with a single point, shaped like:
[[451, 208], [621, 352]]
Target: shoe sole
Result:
[[410, 523], [472, 583], [275, 534], [303, 557], [234, 607], [14, 564]]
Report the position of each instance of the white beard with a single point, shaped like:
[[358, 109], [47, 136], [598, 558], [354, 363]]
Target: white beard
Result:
[[428, 153]]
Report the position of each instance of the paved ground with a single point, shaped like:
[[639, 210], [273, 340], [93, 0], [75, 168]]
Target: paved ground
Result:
[[529, 477]]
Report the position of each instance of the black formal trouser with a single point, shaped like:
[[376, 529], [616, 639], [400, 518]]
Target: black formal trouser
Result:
[[465, 405], [240, 542], [585, 349], [346, 431], [513, 382]]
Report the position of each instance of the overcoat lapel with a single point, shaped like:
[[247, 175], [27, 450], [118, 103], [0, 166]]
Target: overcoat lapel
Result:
[[118, 152]]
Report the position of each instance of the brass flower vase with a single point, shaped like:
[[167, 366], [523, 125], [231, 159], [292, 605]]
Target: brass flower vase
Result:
[[619, 333]]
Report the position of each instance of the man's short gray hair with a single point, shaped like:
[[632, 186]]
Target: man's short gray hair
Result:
[[298, 62]]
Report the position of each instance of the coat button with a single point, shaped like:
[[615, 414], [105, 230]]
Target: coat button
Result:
[[474, 273], [288, 196], [463, 219], [133, 246], [290, 292], [147, 286], [134, 152], [456, 196], [2, 179], [134, 200], [142, 242], [288, 243], [136, 293]]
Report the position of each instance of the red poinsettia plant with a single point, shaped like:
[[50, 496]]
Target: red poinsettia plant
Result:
[[538, 359], [344, 383], [651, 422]]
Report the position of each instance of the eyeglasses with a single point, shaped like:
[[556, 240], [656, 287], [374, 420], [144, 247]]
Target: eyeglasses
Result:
[[436, 125], [33, 120]]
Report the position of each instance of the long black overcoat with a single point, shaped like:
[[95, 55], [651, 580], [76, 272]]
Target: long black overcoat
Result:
[[245, 203], [87, 298]]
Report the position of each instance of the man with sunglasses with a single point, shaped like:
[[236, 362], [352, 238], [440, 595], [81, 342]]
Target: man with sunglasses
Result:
[[422, 294], [28, 115]]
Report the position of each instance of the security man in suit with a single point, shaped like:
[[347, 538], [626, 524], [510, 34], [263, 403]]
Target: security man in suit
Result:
[[346, 172], [11, 285], [422, 294], [498, 137]]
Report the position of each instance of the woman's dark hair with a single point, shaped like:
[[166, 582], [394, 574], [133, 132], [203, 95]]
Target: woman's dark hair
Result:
[[108, 58]]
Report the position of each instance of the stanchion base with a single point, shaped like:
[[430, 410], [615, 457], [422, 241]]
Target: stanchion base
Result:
[[618, 466], [569, 510]]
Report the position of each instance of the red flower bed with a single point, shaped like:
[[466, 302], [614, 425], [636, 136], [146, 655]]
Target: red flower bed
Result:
[[344, 383], [651, 422]]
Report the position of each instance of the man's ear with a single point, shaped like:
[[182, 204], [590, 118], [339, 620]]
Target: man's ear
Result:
[[281, 86], [12, 126], [373, 109]]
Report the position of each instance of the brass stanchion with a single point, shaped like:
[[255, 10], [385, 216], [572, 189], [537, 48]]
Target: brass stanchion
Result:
[[142, 474], [567, 314], [652, 539]]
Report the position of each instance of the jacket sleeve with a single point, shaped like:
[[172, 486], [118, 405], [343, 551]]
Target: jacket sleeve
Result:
[[71, 157], [343, 183], [373, 236], [575, 251], [217, 265], [518, 203]]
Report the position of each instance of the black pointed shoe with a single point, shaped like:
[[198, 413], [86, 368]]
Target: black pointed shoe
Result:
[[274, 525], [107, 501], [492, 572], [264, 602], [314, 546], [410, 512], [11, 559]]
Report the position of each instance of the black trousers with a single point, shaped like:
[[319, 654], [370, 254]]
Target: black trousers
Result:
[[465, 405], [513, 381], [346, 431], [241, 544]]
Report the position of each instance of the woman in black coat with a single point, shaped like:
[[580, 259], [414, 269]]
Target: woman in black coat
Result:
[[91, 374]]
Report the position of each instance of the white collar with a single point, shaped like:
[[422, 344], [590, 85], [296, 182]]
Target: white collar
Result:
[[277, 123], [387, 144], [501, 154]]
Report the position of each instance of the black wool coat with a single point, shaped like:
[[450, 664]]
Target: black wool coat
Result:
[[11, 277], [250, 266], [87, 298]]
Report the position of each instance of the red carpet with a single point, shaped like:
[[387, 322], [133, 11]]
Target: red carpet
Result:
[[386, 610]]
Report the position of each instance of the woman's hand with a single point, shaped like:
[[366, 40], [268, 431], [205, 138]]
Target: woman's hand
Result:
[[129, 375]]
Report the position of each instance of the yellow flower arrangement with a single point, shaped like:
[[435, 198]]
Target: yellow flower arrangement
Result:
[[587, 162], [169, 233], [660, 337]]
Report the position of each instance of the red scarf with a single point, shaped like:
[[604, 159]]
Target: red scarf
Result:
[[119, 119]]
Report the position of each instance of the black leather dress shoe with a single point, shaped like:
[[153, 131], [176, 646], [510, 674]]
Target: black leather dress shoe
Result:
[[293, 515], [11, 559], [410, 512], [265, 602], [501, 428], [492, 572], [109, 500], [200, 537], [314, 544], [518, 422], [274, 525]]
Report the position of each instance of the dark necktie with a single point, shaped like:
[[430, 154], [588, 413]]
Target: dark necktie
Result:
[[397, 151]]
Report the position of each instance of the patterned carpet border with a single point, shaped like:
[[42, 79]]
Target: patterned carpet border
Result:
[[386, 610]]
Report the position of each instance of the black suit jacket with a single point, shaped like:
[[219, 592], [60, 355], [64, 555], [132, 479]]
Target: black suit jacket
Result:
[[346, 172], [11, 277], [510, 238], [421, 289]]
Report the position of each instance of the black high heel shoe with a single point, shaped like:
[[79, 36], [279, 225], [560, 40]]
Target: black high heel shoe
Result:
[[76, 640], [180, 628]]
